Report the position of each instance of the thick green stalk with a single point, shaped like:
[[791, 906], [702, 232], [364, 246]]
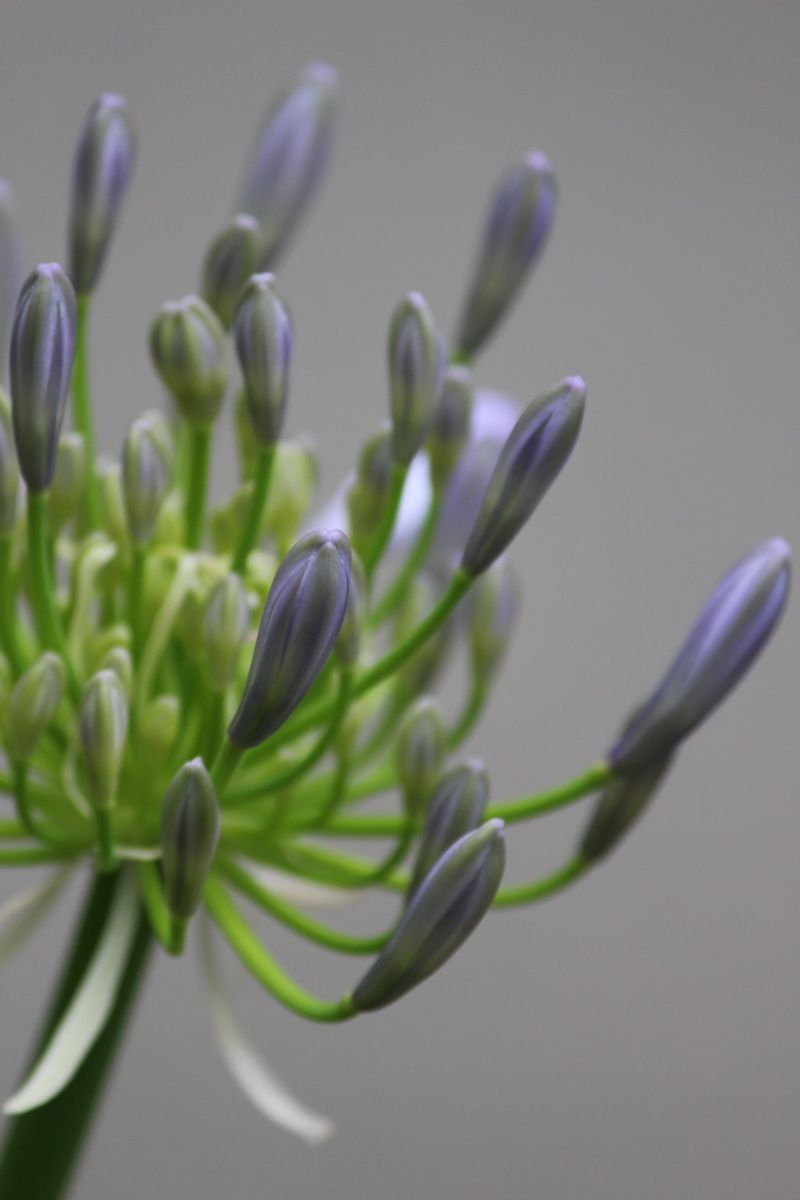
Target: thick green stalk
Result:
[[200, 458], [83, 410], [9, 630]]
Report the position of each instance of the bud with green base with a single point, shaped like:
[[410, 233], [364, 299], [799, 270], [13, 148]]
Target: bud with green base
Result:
[[419, 754], [190, 827], [34, 703], [235, 254], [455, 808]]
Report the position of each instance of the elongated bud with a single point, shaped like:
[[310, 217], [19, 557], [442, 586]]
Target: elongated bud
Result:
[[494, 605], [33, 704], [450, 426], [348, 643], [102, 170], [520, 217], [234, 255], [262, 331], [9, 468], [103, 725], [160, 725], [118, 659], [456, 807], [69, 480], [620, 804], [416, 364], [10, 270], [146, 475], [290, 156], [299, 627], [536, 450], [448, 905], [225, 623], [112, 502], [189, 836], [420, 751], [730, 632], [42, 350], [187, 345]]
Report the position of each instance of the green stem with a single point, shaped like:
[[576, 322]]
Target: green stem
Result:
[[32, 856], [226, 762], [82, 408], [9, 629], [374, 551], [43, 600], [537, 805], [540, 889], [468, 716], [200, 458], [395, 594], [135, 597], [255, 512]]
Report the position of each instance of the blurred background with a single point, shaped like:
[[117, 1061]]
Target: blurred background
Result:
[[640, 1035]]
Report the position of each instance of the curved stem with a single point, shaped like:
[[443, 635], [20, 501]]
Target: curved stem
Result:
[[465, 722], [258, 500], [199, 461], [540, 889], [537, 805], [374, 551], [82, 408], [396, 593]]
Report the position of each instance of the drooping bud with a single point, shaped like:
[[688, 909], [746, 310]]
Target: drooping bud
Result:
[[69, 480], [102, 170], [733, 627], [493, 607], [416, 364], [290, 156], [234, 255], [519, 220], [448, 905], [419, 754], [103, 725], [33, 704], [42, 350], [10, 270], [299, 627], [348, 643], [262, 331], [456, 808], [226, 618], [187, 345], [537, 448], [620, 804], [146, 472], [450, 426], [9, 468], [189, 836]]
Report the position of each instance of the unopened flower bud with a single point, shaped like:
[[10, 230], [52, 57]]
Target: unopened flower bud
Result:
[[146, 475], [187, 345], [159, 726], [619, 805], [493, 608], [448, 905], [69, 480], [9, 468], [189, 836], [112, 501], [33, 704], [42, 350], [416, 364], [450, 426], [262, 331], [348, 643], [295, 474], [730, 632], [520, 217], [102, 169], [103, 725], [235, 254], [368, 492], [226, 618], [290, 156], [118, 659], [537, 448], [456, 807], [299, 627], [419, 754]]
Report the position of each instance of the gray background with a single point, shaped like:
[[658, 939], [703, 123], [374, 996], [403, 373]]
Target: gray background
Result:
[[640, 1037]]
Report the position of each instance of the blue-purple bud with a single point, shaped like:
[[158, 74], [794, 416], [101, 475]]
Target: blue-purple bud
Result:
[[456, 807], [234, 255], [519, 220], [42, 351], [304, 612], [226, 619], [450, 426], [537, 448], [290, 156], [448, 905], [419, 754], [103, 726], [416, 365], [146, 475], [730, 632], [101, 173], [262, 332], [189, 836], [348, 643], [618, 807], [187, 345], [9, 468]]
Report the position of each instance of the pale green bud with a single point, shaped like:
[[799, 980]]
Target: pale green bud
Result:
[[234, 255], [67, 489], [160, 726], [451, 423], [118, 659], [187, 345], [189, 836], [226, 619], [112, 501], [493, 608], [103, 727], [33, 704], [419, 754], [146, 473]]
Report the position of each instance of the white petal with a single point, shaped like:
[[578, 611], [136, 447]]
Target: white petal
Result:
[[22, 914]]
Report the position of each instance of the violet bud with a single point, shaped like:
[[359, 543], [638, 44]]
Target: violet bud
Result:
[[226, 619], [9, 469], [450, 427], [42, 350], [732, 629], [456, 807], [416, 365], [189, 836], [187, 345], [419, 754], [348, 643], [262, 331], [619, 805], [146, 474], [234, 255], [537, 448], [103, 725]]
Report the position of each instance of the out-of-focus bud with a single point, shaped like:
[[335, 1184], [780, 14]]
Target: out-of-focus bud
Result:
[[187, 345], [620, 804], [6, 687], [103, 725], [42, 350], [262, 331], [456, 808], [519, 220], [730, 632], [493, 608], [299, 627], [234, 255], [112, 502], [450, 426], [102, 169], [33, 704], [367, 495], [189, 836], [448, 905], [163, 430], [145, 479], [416, 364], [537, 448], [419, 754], [9, 468], [159, 726], [348, 643], [118, 659], [10, 270], [67, 489], [225, 623], [290, 156], [295, 474], [419, 672], [105, 642]]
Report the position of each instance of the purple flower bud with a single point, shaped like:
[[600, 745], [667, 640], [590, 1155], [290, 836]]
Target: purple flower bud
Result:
[[449, 432], [262, 331], [146, 474], [290, 156], [730, 632], [537, 448], [448, 905], [416, 365], [304, 612], [348, 643], [187, 345], [619, 805], [189, 836], [519, 221], [102, 170], [456, 808], [235, 254], [42, 350]]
